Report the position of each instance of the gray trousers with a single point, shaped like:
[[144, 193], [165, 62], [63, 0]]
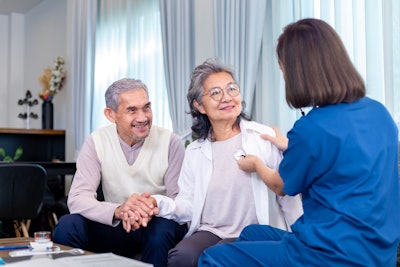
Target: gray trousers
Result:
[[187, 252]]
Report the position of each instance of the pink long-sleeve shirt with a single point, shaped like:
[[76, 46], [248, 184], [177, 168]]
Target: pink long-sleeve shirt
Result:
[[82, 197]]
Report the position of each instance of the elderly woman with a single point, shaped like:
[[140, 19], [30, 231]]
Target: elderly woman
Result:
[[215, 196]]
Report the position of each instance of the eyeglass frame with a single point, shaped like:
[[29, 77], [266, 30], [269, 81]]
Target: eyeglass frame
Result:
[[235, 85]]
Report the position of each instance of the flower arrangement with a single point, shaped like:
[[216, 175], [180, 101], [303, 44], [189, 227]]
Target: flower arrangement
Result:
[[52, 80]]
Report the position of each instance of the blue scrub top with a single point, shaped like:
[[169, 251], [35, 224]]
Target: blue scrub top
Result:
[[343, 160]]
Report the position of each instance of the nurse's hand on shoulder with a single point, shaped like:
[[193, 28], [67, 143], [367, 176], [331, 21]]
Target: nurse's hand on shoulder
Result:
[[280, 140]]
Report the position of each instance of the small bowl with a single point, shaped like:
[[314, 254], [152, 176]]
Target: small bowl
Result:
[[41, 246]]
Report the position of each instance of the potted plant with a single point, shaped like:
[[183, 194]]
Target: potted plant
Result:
[[8, 158]]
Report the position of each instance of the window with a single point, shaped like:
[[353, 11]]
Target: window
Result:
[[128, 44]]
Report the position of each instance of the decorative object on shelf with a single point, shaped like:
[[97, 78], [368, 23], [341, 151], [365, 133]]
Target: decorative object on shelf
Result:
[[28, 103], [7, 158], [47, 114], [52, 81]]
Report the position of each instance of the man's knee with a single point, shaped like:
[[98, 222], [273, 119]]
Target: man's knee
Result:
[[70, 222], [164, 230], [71, 230]]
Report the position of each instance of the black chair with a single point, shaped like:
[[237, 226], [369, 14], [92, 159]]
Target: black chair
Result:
[[22, 189]]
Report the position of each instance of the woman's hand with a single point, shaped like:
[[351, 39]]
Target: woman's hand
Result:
[[280, 141]]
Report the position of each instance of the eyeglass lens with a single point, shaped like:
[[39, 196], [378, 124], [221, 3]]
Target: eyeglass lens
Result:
[[217, 92]]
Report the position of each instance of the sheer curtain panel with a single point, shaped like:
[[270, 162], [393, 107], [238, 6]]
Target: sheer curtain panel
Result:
[[81, 36], [238, 37], [177, 26], [129, 44]]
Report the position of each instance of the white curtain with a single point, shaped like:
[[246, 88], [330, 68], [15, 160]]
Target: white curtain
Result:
[[370, 31], [237, 34], [129, 44], [81, 32], [177, 24]]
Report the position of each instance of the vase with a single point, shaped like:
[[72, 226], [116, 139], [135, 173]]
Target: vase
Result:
[[47, 114]]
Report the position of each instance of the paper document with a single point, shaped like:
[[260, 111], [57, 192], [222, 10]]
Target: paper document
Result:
[[92, 260]]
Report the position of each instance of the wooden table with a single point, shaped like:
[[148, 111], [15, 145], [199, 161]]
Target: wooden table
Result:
[[87, 260], [18, 241]]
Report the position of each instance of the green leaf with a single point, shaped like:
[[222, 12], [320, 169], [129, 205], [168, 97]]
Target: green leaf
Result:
[[18, 153], [187, 142], [2, 152], [7, 159]]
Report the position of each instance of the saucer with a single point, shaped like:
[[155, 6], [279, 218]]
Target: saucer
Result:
[[42, 246]]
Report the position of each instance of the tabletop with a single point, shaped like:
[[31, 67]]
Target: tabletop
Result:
[[21, 241]]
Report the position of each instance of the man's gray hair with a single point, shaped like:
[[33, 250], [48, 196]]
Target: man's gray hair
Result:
[[121, 86]]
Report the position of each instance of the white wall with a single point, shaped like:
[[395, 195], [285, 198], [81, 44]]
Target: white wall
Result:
[[45, 37], [12, 77], [4, 29], [16, 68], [32, 42]]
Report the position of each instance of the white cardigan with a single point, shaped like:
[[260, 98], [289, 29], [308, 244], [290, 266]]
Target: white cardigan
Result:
[[195, 176]]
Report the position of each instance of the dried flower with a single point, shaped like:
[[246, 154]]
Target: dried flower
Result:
[[52, 80]]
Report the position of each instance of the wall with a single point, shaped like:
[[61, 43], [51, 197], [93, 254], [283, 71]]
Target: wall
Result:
[[33, 41], [3, 69], [11, 67], [46, 39]]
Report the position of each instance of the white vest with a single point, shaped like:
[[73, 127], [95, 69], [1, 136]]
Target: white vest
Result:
[[119, 179]]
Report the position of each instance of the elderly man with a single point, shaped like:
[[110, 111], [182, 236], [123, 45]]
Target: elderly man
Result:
[[130, 158]]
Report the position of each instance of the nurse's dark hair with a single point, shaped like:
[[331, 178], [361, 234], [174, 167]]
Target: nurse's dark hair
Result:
[[316, 66], [201, 125]]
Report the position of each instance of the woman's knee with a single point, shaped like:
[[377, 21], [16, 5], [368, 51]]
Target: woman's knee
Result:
[[183, 255], [188, 251]]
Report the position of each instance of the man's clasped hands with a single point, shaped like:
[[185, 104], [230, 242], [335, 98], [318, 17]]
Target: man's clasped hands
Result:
[[137, 211]]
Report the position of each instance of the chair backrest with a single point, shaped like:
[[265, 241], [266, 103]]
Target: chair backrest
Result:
[[21, 190]]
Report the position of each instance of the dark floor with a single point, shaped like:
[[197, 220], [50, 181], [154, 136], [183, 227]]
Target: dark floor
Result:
[[41, 223]]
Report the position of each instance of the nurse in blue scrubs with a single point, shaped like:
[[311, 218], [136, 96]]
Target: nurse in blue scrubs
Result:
[[341, 156]]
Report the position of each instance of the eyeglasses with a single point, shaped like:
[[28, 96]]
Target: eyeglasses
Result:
[[217, 93]]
